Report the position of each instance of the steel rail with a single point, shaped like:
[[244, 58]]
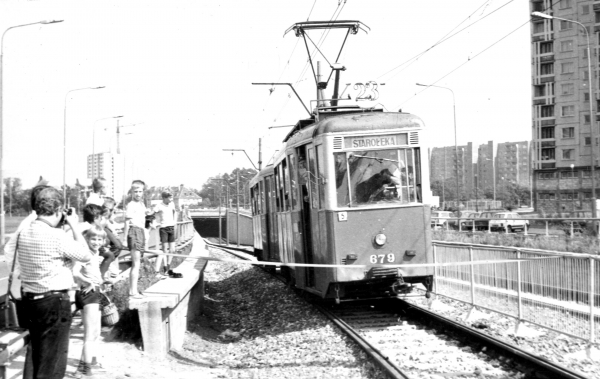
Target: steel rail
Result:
[[555, 370], [380, 359]]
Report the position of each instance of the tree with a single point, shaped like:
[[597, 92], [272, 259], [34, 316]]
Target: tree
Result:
[[217, 188]]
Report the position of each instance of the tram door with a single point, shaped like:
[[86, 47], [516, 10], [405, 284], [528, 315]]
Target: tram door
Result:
[[305, 158], [268, 238]]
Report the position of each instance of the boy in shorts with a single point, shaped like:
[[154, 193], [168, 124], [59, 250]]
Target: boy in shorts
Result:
[[167, 213], [135, 220], [88, 298], [111, 251]]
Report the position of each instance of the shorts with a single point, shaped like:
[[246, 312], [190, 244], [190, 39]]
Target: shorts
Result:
[[92, 297], [167, 234], [136, 240]]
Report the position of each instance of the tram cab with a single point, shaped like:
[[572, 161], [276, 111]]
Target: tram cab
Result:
[[347, 190]]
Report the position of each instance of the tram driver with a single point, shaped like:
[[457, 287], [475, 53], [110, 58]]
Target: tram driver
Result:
[[383, 185]]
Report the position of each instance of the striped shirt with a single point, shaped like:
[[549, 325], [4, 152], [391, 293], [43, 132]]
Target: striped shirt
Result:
[[46, 257]]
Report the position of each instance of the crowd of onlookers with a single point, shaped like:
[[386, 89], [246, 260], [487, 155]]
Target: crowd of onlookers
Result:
[[52, 253]]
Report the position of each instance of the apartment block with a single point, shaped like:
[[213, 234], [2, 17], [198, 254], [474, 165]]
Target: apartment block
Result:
[[110, 167], [444, 166], [562, 98]]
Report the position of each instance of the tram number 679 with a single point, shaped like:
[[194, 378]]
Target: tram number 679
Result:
[[382, 258]]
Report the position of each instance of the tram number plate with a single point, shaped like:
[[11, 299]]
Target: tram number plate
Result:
[[382, 258]]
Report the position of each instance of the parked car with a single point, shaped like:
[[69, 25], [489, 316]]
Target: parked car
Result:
[[466, 220], [439, 219], [482, 221], [508, 221]]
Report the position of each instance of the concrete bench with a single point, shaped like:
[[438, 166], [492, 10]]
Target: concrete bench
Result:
[[168, 304]]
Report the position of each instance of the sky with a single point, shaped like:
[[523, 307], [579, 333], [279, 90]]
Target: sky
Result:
[[180, 74]]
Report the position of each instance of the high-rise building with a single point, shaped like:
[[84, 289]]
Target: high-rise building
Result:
[[512, 163], [108, 166], [561, 131], [443, 168], [485, 169]]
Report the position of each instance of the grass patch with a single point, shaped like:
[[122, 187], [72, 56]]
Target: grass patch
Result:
[[581, 244]]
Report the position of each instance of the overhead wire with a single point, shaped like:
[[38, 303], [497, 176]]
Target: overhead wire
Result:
[[445, 38], [475, 56]]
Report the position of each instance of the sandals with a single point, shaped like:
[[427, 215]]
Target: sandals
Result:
[[174, 275]]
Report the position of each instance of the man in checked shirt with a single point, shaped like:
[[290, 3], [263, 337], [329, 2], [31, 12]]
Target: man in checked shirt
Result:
[[46, 254]]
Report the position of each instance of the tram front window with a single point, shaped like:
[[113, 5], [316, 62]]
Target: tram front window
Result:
[[377, 177]]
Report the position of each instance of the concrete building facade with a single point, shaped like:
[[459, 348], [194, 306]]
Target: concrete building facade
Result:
[[443, 167], [561, 125], [110, 167]]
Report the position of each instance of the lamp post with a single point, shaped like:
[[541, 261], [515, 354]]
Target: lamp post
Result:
[[94, 143], [455, 139], [592, 115], [573, 190], [2, 221], [65, 140]]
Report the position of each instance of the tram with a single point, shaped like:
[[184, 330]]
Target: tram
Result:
[[346, 190]]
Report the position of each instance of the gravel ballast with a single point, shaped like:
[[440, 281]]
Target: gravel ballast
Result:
[[254, 326]]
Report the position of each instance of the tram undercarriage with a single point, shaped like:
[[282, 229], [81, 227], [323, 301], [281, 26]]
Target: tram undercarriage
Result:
[[378, 288]]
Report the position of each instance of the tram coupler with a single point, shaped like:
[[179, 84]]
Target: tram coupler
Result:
[[428, 286], [400, 287], [337, 293]]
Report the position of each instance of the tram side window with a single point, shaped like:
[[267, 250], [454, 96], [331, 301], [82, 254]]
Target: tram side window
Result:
[[286, 185], [261, 201], [276, 190], [281, 189], [293, 187], [377, 176], [341, 179], [320, 175], [312, 179]]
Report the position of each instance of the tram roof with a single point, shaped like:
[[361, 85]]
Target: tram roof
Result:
[[351, 122]]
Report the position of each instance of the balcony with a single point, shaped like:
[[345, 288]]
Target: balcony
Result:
[[547, 58], [547, 79]]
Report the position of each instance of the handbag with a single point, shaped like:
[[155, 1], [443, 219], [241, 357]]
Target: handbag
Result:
[[17, 308], [110, 313]]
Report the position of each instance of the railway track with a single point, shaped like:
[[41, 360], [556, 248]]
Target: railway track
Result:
[[407, 341]]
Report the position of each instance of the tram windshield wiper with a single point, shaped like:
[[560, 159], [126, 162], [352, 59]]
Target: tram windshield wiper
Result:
[[380, 160]]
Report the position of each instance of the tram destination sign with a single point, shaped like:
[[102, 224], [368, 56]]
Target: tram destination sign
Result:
[[376, 141]]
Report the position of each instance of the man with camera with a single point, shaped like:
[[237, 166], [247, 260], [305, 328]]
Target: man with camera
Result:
[[46, 254]]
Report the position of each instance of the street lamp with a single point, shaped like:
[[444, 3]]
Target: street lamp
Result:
[[455, 140], [94, 142], [2, 221], [65, 140], [592, 116]]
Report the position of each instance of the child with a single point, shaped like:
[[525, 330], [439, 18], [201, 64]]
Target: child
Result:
[[167, 213], [134, 234], [88, 298], [92, 215], [114, 246], [150, 224]]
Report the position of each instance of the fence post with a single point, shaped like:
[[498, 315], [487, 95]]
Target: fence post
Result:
[[592, 278], [572, 234], [519, 294], [435, 269], [546, 228], [472, 276]]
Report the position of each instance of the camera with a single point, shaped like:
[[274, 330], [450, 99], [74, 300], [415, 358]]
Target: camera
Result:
[[66, 212]]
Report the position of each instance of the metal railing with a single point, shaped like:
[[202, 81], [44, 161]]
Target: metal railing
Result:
[[554, 290], [573, 223]]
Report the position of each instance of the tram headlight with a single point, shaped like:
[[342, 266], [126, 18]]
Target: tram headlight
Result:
[[380, 239]]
